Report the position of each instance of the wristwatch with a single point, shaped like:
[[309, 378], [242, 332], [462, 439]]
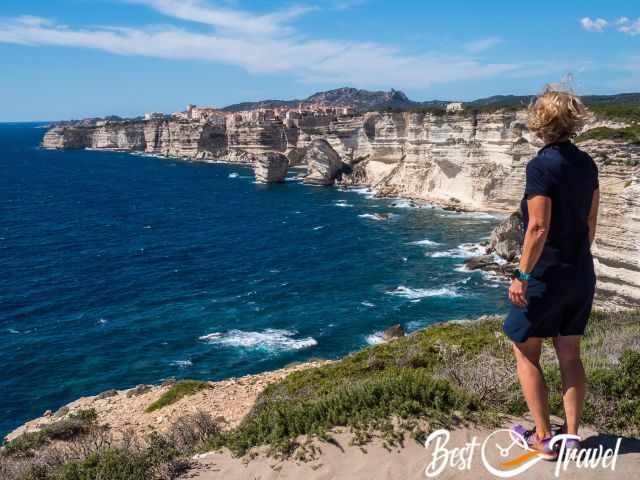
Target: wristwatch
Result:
[[522, 276]]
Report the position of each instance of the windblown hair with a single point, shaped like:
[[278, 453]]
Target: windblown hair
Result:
[[556, 115]]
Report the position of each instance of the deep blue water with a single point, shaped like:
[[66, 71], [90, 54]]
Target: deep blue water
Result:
[[118, 269]]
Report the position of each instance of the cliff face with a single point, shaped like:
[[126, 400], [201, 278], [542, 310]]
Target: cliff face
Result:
[[474, 161], [617, 245]]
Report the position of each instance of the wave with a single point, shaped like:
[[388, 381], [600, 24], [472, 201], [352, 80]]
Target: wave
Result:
[[377, 216], [269, 339], [182, 363], [319, 227], [426, 242], [342, 203], [234, 175], [471, 215], [367, 192], [403, 203], [464, 250], [418, 293], [375, 338], [367, 304]]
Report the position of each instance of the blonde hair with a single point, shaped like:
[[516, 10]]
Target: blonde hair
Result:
[[556, 115]]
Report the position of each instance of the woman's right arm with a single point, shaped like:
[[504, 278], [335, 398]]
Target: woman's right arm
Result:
[[593, 214]]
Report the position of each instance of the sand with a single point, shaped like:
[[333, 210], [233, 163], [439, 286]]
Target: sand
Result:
[[405, 463]]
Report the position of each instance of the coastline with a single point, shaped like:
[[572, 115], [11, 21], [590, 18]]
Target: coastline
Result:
[[422, 201], [228, 401], [393, 444]]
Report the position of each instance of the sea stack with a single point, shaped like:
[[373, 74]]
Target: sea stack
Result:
[[323, 163], [270, 167]]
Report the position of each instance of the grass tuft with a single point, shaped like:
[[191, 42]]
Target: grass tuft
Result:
[[181, 389]]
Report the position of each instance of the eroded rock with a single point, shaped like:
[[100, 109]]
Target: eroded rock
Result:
[[323, 163], [271, 167], [506, 239], [394, 331]]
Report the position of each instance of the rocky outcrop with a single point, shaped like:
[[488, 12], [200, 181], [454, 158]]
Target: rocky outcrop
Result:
[[323, 163], [271, 167], [394, 331], [506, 239], [124, 412]]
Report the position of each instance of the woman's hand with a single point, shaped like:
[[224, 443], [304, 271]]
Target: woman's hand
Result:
[[518, 292]]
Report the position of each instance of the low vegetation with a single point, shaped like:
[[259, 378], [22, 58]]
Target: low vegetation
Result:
[[626, 112], [181, 389], [66, 429], [627, 134], [445, 375]]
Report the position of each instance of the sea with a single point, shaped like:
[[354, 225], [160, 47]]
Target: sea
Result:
[[119, 269]]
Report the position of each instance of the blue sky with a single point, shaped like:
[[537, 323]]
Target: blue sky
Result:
[[78, 58]]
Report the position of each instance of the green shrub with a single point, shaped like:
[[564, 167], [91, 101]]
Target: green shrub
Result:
[[181, 389], [66, 429], [149, 463], [362, 404], [627, 134]]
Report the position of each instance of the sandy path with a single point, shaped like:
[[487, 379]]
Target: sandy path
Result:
[[406, 463]]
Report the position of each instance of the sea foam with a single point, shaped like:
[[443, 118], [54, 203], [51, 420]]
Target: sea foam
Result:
[[464, 250], [271, 339], [375, 338], [182, 363], [418, 293], [426, 242]]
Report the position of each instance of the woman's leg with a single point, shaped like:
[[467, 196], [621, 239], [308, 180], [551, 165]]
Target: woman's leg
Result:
[[573, 379], [533, 385]]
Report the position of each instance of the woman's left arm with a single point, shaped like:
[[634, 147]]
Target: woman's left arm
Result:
[[539, 207]]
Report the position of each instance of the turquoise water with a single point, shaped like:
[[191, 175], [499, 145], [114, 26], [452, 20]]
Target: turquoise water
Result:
[[120, 269]]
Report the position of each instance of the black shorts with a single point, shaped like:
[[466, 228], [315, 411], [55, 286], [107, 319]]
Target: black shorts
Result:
[[558, 303]]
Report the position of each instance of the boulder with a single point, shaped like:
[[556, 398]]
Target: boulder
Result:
[[271, 167], [394, 331], [138, 390], [107, 394], [323, 163], [61, 412], [506, 239], [480, 262]]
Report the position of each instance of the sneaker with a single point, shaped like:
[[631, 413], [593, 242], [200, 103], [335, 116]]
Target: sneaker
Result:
[[535, 444], [570, 443]]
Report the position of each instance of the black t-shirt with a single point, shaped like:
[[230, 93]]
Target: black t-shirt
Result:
[[567, 175]]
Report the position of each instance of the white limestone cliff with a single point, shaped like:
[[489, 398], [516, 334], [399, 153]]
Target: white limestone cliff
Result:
[[463, 160]]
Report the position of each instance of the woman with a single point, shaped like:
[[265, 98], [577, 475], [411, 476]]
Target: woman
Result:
[[552, 292]]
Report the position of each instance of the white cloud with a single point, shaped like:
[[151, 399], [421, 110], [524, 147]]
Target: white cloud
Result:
[[318, 60], [628, 27], [225, 18], [597, 25], [482, 44], [622, 24], [268, 43]]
